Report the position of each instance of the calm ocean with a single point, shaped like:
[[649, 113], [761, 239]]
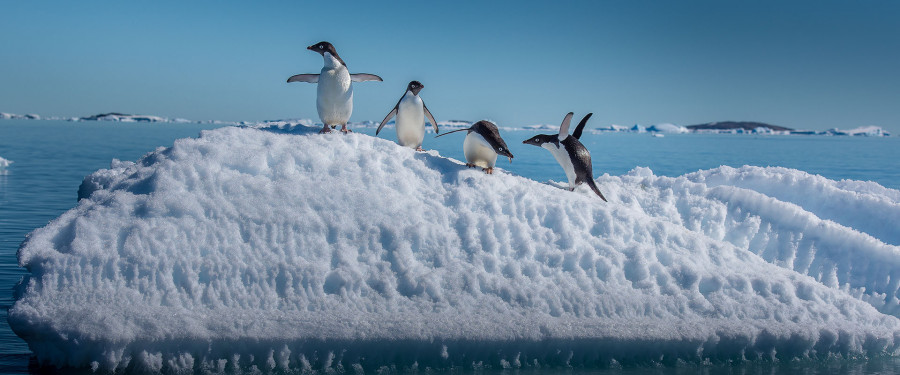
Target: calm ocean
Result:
[[50, 159]]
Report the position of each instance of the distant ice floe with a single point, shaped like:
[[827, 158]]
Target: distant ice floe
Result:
[[668, 128], [277, 249], [871, 131], [4, 163]]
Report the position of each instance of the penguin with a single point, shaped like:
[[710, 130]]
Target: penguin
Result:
[[411, 112], [570, 153], [482, 145], [334, 94]]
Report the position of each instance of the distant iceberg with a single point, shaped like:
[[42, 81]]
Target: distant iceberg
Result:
[[870, 131], [259, 250], [4, 163], [668, 128]]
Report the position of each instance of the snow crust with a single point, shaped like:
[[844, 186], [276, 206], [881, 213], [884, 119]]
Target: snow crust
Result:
[[278, 249]]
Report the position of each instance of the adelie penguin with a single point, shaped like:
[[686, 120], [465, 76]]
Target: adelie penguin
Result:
[[482, 145], [411, 112], [334, 94], [570, 153]]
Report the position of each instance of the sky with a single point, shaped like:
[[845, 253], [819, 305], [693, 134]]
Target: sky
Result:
[[802, 64]]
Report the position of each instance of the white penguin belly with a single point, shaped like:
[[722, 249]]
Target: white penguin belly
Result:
[[410, 121], [478, 151], [562, 157], [334, 96]]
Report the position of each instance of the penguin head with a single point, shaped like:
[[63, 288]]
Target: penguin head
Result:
[[540, 139], [491, 134], [415, 87], [322, 47]]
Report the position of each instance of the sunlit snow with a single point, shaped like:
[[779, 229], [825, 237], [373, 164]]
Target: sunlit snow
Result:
[[279, 248]]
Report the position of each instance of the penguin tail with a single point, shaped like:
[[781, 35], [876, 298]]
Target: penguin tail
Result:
[[593, 186]]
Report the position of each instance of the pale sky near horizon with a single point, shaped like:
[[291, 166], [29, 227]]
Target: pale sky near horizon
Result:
[[800, 64]]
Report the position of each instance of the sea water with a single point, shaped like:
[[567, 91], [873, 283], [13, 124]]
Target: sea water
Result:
[[50, 159]]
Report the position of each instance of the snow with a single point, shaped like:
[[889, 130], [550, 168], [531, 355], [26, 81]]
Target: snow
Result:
[[281, 249]]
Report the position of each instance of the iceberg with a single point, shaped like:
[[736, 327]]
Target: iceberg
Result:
[[277, 249], [668, 128], [4, 163]]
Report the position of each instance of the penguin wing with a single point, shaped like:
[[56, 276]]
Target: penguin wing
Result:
[[453, 131], [363, 77], [386, 119], [580, 127], [430, 117], [564, 128], [311, 78]]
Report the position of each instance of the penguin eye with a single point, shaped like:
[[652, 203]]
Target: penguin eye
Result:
[[321, 47], [501, 148]]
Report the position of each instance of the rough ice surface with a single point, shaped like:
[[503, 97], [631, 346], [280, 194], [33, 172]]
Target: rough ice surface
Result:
[[281, 249]]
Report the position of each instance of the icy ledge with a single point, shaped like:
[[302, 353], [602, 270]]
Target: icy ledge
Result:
[[275, 250]]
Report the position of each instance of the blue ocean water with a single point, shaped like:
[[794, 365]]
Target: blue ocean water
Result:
[[52, 157]]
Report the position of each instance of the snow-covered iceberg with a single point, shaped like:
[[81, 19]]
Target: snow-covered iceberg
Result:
[[280, 249]]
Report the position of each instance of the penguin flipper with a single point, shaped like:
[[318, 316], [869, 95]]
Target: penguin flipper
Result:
[[564, 128], [430, 117], [453, 131], [311, 78], [590, 182], [363, 77], [580, 127], [386, 119]]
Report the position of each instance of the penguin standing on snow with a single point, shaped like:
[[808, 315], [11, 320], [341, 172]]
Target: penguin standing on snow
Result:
[[482, 145], [411, 112], [569, 153], [334, 94]]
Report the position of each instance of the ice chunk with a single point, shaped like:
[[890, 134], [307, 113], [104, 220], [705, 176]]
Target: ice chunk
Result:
[[4, 163], [283, 249]]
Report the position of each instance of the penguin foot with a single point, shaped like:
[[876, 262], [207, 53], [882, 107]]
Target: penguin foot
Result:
[[420, 148], [488, 170], [345, 130], [571, 189], [325, 129], [470, 165]]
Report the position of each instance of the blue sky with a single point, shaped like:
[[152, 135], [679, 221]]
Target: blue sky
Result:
[[801, 64]]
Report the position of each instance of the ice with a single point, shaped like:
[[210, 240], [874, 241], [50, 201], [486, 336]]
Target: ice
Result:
[[872, 131], [280, 249], [668, 128], [4, 163]]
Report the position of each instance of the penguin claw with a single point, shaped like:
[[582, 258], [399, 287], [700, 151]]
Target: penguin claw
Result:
[[325, 130], [488, 170], [470, 165], [420, 148]]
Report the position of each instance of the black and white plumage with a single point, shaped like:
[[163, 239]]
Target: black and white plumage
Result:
[[410, 111], [334, 93], [482, 145], [569, 153]]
